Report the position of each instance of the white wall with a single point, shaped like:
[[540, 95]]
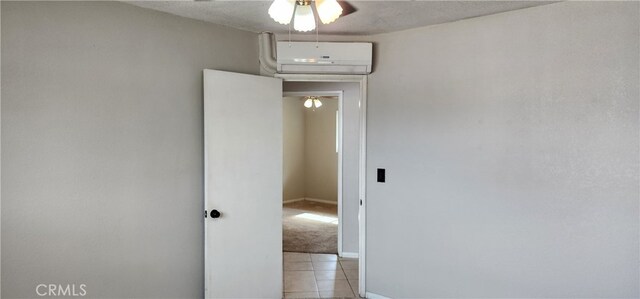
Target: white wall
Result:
[[511, 147], [293, 149], [102, 147], [350, 154], [320, 156]]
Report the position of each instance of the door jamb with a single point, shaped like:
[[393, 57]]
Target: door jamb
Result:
[[339, 94], [362, 80]]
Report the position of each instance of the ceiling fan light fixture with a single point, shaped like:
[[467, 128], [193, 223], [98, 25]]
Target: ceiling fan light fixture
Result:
[[282, 10], [303, 20], [308, 103], [317, 103], [328, 10]]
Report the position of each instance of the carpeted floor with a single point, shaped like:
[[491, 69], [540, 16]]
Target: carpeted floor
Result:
[[309, 226]]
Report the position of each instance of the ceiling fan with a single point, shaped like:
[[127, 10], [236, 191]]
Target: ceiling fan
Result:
[[315, 101], [302, 12]]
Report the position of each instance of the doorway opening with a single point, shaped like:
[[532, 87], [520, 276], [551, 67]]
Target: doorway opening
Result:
[[323, 268], [312, 172]]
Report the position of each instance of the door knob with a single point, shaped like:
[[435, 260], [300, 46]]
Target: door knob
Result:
[[215, 214]]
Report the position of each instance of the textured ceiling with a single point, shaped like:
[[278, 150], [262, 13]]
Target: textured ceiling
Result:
[[371, 17]]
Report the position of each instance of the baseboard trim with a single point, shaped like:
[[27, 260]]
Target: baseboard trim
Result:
[[310, 199], [353, 255], [375, 296], [321, 201], [292, 200]]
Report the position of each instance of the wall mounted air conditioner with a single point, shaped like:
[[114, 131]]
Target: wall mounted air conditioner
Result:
[[324, 58]]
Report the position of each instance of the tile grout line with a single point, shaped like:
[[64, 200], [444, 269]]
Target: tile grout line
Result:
[[345, 276], [315, 279]]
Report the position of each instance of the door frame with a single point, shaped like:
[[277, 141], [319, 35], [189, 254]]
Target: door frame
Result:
[[339, 94], [362, 80]]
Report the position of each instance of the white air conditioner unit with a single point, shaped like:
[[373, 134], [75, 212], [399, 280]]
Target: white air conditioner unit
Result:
[[324, 58]]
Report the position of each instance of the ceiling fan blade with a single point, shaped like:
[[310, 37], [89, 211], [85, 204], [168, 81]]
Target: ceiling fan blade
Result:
[[347, 8]]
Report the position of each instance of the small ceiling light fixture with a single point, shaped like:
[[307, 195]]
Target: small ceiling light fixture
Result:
[[317, 103], [282, 11], [308, 103], [312, 102]]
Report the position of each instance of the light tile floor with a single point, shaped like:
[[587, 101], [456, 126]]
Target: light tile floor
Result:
[[310, 275]]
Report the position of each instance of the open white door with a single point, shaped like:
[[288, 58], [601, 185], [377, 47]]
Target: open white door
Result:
[[243, 181]]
